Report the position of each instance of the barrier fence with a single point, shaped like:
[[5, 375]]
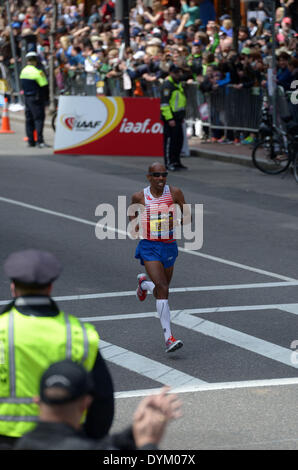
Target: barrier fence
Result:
[[226, 108]]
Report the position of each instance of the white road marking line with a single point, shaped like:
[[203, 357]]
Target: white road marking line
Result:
[[60, 214], [115, 230], [194, 311], [237, 265], [125, 316], [257, 285], [291, 308], [212, 387], [104, 295], [147, 367]]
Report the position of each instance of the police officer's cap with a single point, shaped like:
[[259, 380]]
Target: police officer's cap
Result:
[[31, 55], [32, 267]]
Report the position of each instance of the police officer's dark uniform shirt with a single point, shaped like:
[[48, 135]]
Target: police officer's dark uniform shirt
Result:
[[61, 436]]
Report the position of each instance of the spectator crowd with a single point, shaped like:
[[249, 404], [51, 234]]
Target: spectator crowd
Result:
[[162, 33]]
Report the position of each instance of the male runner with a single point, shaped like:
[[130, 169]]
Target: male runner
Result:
[[158, 249]]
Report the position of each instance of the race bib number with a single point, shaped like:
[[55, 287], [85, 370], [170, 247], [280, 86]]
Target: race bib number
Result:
[[161, 224]]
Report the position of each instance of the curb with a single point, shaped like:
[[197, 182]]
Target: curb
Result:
[[222, 157]]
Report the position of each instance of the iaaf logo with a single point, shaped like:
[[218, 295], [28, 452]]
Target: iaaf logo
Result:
[[75, 123], [141, 127]]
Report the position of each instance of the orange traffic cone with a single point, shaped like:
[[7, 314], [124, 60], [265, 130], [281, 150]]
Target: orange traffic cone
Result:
[[34, 136], [5, 128]]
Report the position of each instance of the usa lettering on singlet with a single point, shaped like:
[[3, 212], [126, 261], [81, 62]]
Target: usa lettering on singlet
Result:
[[157, 219]]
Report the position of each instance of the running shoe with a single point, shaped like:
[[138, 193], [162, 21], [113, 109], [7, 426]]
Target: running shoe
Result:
[[173, 344], [249, 140], [141, 293]]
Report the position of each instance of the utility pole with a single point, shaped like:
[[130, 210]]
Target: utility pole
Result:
[[236, 18], [52, 106], [122, 14], [126, 22], [14, 54]]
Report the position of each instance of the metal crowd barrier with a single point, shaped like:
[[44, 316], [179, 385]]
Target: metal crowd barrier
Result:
[[8, 80], [292, 107]]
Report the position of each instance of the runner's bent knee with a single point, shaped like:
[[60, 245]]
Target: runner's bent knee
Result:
[[162, 290]]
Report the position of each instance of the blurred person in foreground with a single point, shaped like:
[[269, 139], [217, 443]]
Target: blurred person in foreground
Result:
[[34, 333], [66, 392]]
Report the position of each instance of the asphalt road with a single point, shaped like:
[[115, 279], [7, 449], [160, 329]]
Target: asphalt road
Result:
[[234, 302]]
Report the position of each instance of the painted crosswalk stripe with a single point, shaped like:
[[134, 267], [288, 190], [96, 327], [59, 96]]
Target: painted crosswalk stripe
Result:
[[236, 338], [147, 367], [213, 387], [132, 293], [187, 319], [236, 265], [291, 308]]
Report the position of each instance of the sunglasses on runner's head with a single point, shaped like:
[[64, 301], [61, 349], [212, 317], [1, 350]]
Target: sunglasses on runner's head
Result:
[[157, 174]]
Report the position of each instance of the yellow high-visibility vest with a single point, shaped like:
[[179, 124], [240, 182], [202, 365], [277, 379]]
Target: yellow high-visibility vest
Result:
[[30, 72], [28, 346], [173, 99]]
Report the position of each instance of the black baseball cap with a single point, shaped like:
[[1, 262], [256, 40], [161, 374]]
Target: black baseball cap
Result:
[[32, 267], [64, 382]]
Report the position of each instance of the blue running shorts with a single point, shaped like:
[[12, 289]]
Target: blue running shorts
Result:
[[157, 251]]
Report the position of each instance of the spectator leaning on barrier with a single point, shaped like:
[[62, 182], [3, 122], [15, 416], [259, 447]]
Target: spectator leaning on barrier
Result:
[[34, 333], [66, 393]]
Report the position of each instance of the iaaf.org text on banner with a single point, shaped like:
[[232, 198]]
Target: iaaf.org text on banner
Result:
[[114, 222]]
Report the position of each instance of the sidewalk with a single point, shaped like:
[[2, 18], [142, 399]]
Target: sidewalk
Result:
[[230, 153], [19, 116]]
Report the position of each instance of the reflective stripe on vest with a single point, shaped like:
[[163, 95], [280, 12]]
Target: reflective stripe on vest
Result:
[[26, 419], [178, 98], [18, 414], [12, 376]]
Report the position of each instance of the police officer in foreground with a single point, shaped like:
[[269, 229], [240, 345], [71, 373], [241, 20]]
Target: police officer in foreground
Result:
[[36, 91], [34, 333], [172, 107]]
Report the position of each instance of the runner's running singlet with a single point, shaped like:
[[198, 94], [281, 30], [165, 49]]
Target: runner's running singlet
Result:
[[158, 217]]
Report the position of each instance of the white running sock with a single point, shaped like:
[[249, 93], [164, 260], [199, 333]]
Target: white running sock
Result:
[[163, 310], [148, 285]]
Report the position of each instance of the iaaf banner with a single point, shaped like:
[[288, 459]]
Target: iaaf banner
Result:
[[90, 125]]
